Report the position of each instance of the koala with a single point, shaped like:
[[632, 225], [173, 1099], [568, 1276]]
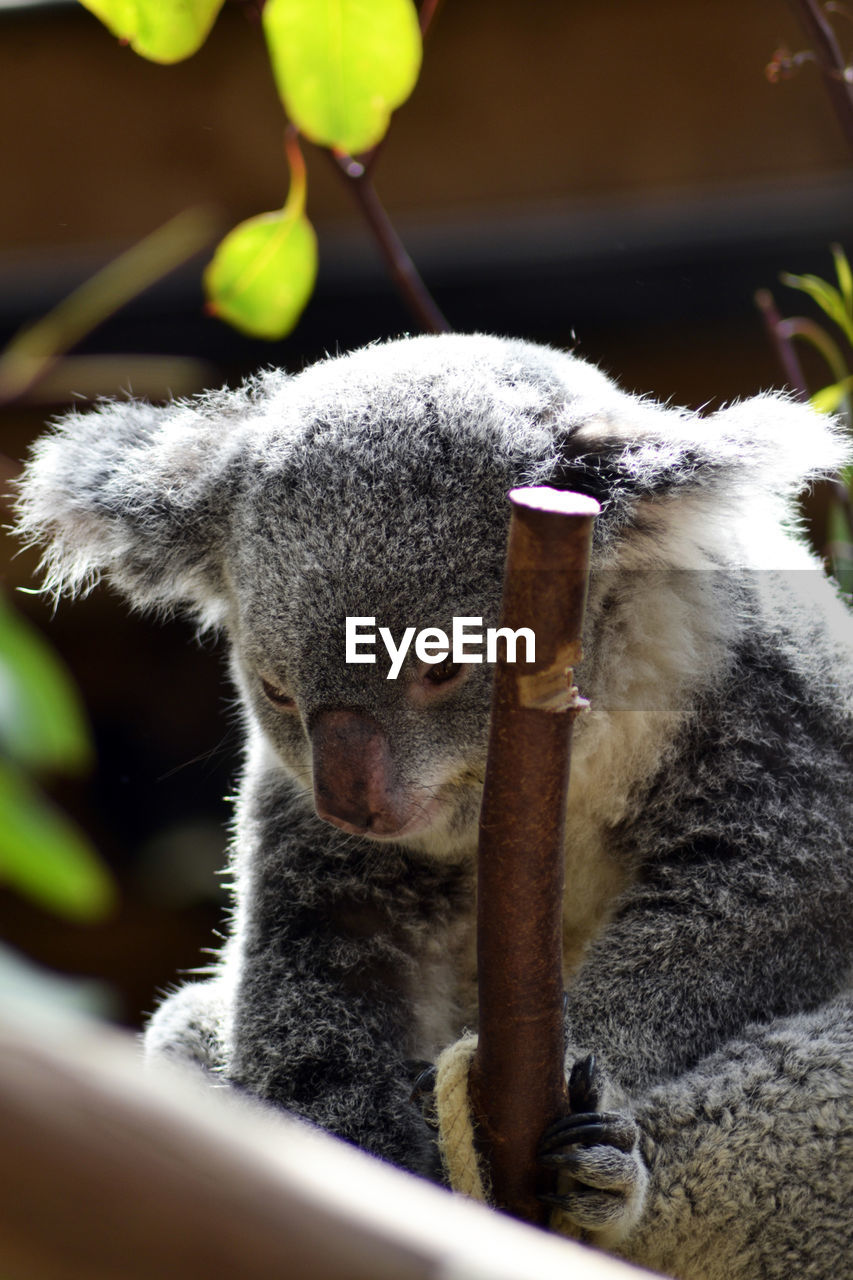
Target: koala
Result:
[[707, 915]]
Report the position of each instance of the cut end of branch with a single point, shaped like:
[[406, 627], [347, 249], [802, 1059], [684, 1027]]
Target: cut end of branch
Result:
[[562, 502]]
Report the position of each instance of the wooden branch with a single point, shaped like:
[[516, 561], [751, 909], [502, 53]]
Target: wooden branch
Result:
[[109, 1170], [517, 1080]]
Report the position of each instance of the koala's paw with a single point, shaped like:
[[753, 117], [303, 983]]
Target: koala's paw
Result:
[[601, 1177], [187, 1028]]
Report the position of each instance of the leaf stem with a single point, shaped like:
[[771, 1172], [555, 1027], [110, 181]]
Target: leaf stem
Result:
[[294, 205], [401, 268], [781, 334], [837, 75], [426, 14], [785, 349]]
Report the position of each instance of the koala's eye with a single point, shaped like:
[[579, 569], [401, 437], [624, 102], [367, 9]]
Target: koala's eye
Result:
[[277, 696], [442, 672], [437, 681]]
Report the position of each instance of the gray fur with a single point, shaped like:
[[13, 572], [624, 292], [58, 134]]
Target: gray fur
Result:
[[750, 1156], [707, 920]]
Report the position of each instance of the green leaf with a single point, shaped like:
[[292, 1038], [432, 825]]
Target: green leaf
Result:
[[829, 399], [342, 66], [42, 723], [262, 274], [828, 299], [43, 856], [845, 277], [160, 30], [817, 337], [839, 546]]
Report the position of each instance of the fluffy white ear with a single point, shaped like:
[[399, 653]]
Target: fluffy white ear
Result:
[[778, 443], [770, 446], [134, 492]]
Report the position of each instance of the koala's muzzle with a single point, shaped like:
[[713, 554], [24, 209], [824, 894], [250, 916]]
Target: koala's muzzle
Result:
[[355, 784]]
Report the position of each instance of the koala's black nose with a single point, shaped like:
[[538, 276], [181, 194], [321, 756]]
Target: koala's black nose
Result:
[[355, 784]]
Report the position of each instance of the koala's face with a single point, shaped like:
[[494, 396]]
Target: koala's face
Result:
[[374, 485], [352, 522], [390, 758]]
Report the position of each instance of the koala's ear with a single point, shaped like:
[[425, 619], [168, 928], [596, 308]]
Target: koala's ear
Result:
[[770, 445], [136, 493], [777, 443]]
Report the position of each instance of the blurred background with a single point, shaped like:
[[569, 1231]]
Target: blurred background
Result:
[[615, 177]]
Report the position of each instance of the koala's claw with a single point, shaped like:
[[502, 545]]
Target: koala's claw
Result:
[[423, 1090], [424, 1073], [584, 1085], [589, 1129], [601, 1177]]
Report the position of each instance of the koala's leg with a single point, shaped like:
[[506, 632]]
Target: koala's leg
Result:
[[743, 1167], [188, 1027]]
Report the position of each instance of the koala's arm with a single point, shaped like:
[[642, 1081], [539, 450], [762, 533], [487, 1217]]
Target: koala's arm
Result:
[[740, 908], [334, 947], [692, 957], [741, 1162]]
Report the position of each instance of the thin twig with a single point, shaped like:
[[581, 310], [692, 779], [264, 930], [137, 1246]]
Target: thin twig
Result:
[[38, 346], [833, 66], [781, 334], [402, 269], [785, 349]]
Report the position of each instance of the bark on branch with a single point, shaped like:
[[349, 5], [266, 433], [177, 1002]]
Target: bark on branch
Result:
[[517, 1081]]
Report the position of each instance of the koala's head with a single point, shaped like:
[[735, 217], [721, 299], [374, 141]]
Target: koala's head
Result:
[[373, 485]]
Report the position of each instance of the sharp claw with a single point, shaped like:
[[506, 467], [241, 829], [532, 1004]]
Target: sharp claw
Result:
[[549, 1197], [416, 1066], [423, 1097], [583, 1087], [584, 1129], [424, 1084], [589, 1130], [556, 1159]]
